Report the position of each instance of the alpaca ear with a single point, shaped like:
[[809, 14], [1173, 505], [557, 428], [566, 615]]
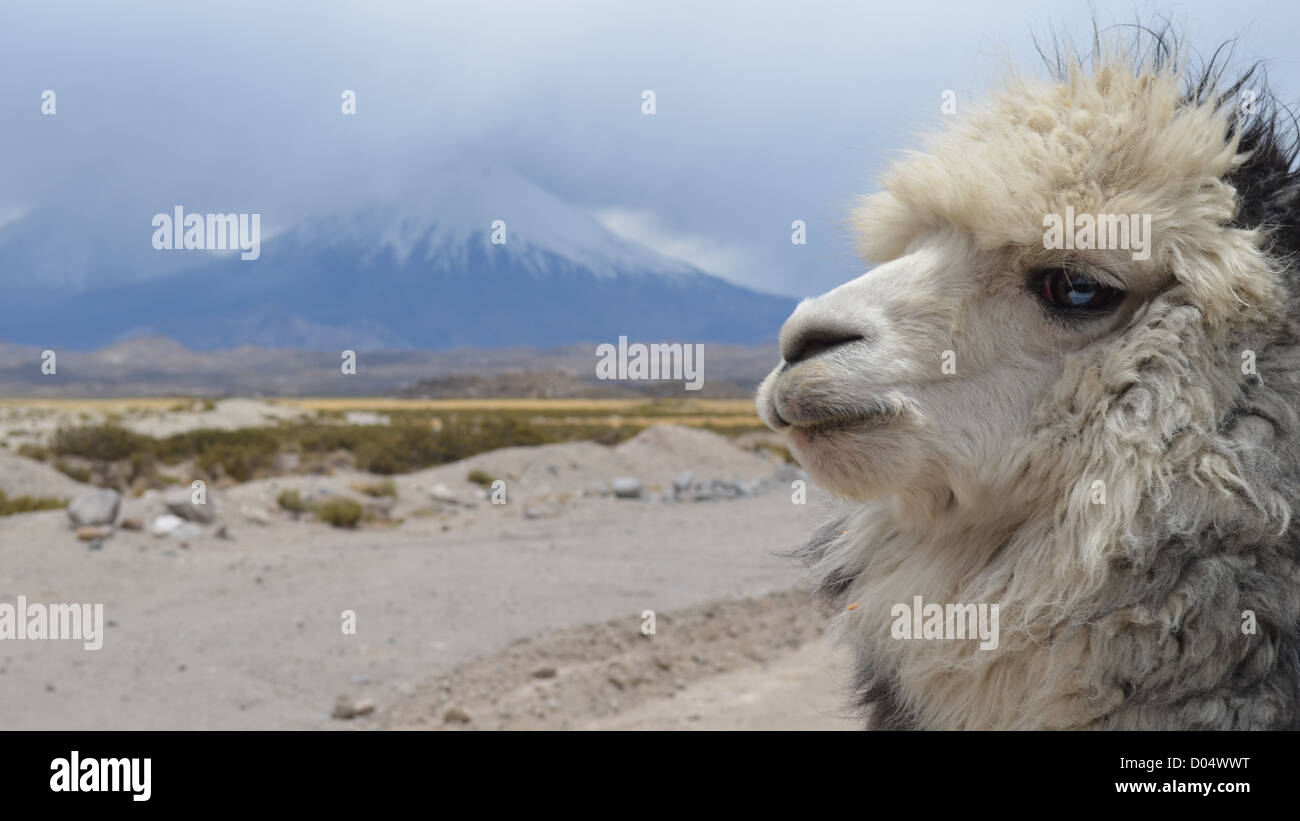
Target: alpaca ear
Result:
[[884, 227]]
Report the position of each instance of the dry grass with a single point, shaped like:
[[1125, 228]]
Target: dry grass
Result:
[[418, 433]]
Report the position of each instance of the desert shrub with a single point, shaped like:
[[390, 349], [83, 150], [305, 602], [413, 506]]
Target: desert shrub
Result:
[[340, 512], [81, 474], [241, 454], [32, 451], [106, 443], [292, 501], [481, 477], [28, 504]]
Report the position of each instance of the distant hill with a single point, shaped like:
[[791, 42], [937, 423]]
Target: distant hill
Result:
[[157, 366], [418, 274]]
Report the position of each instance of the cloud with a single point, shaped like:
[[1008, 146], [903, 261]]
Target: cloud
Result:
[[646, 227]]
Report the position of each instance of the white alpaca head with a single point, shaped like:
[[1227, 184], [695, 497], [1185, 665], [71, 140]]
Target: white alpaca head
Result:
[[969, 395], [932, 377]]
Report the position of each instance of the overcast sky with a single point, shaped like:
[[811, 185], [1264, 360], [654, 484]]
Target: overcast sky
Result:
[[766, 111]]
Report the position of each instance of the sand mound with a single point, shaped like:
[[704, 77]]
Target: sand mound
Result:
[[27, 477], [660, 452]]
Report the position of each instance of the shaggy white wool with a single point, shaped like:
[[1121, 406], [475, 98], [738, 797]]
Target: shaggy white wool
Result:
[[979, 482]]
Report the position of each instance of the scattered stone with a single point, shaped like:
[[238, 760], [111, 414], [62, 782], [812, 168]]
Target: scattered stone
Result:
[[131, 523], [627, 487], [345, 709], [179, 500], [165, 524], [444, 494], [544, 672], [683, 481], [223, 533], [287, 462], [95, 507], [456, 715], [90, 533], [96, 544], [532, 513]]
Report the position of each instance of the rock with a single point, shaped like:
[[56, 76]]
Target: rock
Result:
[[627, 487], [131, 523], [287, 462], [96, 544], [544, 672], [345, 709], [442, 493], [456, 715], [93, 532], [445, 495], [223, 533], [532, 513], [683, 481], [179, 500], [95, 507], [165, 524]]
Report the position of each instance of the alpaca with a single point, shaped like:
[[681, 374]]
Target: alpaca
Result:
[[1103, 442]]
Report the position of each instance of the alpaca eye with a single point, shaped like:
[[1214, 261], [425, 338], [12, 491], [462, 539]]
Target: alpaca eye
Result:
[[1072, 291]]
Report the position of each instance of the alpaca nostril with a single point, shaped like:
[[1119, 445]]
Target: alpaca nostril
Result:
[[815, 341]]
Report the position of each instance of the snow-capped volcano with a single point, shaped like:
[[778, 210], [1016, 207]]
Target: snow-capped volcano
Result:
[[421, 269], [458, 207]]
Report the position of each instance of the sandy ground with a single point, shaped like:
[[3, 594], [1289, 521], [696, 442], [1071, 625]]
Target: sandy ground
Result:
[[468, 614], [798, 691]]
